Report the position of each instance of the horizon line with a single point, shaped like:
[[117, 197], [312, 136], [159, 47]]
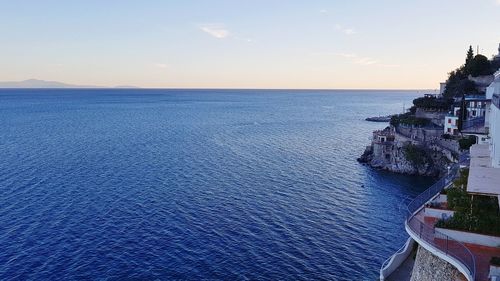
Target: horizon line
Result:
[[213, 88]]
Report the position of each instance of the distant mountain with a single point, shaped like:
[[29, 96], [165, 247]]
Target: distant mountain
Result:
[[35, 83]]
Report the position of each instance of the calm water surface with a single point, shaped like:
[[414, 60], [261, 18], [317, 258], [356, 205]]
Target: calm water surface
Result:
[[196, 184]]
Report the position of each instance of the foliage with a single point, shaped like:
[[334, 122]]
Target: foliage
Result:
[[476, 213], [470, 55], [480, 65], [466, 142], [458, 84], [433, 103], [416, 155], [408, 119], [446, 136]]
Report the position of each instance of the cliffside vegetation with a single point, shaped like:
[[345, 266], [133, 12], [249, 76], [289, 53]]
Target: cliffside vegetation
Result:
[[458, 83], [417, 155], [432, 103], [408, 119], [472, 213], [466, 142]]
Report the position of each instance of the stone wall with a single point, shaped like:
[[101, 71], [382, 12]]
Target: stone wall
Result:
[[420, 134], [451, 145], [430, 268], [436, 117]]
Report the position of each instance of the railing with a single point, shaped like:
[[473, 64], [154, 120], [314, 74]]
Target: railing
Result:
[[425, 196], [445, 244]]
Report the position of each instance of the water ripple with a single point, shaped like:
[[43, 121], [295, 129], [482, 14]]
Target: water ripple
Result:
[[192, 185]]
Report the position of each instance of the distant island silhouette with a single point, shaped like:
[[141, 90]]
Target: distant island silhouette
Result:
[[37, 83]]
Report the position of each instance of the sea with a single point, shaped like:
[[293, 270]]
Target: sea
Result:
[[166, 184]]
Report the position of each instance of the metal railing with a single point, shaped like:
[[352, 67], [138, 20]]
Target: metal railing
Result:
[[445, 244], [436, 239], [427, 195]]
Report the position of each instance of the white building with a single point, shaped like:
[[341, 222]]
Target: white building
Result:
[[476, 106], [451, 125], [484, 175], [493, 120]]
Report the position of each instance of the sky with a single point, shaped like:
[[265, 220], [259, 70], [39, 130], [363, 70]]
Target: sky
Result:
[[385, 44]]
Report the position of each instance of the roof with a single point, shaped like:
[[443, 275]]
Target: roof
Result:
[[483, 178], [476, 98]]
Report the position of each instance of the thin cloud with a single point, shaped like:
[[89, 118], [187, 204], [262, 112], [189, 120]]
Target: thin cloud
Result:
[[346, 31], [365, 61], [361, 60], [325, 11], [218, 31], [161, 65]]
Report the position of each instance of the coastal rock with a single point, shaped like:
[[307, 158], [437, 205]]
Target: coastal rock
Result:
[[393, 152]]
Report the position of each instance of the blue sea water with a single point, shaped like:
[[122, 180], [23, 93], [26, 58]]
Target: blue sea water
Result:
[[196, 184]]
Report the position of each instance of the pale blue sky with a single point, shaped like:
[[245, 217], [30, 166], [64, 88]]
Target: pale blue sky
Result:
[[244, 44]]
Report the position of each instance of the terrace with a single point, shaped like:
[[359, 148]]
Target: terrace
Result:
[[468, 252]]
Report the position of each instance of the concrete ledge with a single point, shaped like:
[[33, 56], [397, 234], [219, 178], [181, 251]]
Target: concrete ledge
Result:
[[471, 237], [441, 198], [397, 259], [438, 213]]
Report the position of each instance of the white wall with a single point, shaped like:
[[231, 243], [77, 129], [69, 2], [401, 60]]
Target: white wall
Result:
[[494, 120], [495, 136], [397, 259], [470, 237], [438, 213]]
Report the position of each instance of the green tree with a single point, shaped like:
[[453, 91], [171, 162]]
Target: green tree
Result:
[[480, 65], [458, 84], [470, 55]]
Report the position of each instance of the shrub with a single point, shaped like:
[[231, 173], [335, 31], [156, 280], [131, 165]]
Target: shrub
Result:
[[477, 214], [466, 142], [433, 103], [417, 155], [446, 136], [408, 119]]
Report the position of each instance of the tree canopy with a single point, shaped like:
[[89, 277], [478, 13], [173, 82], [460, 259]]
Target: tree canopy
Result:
[[458, 82], [480, 65]]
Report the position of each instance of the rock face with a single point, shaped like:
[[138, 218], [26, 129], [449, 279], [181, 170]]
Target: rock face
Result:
[[389, 152], [428, 267]]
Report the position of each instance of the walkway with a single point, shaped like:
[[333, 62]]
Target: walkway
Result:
[[403, 272]]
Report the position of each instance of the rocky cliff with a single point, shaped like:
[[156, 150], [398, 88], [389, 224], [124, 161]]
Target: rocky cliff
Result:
[[394, 153]]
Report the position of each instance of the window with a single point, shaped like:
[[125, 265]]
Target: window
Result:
[[449, 130], [449, 121]]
